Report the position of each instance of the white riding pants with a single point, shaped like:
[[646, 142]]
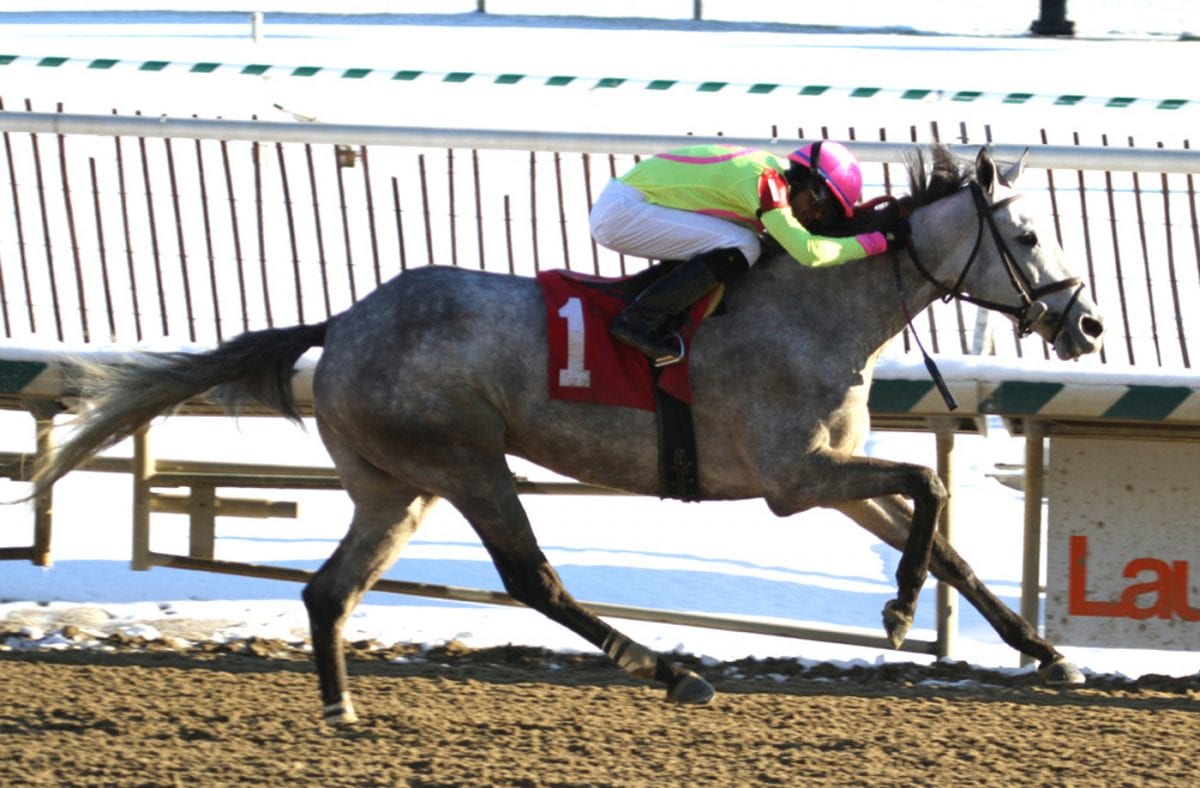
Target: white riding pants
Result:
[[624, 221]]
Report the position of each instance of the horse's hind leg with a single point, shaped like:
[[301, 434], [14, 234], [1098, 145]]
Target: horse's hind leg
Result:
[[493, 509], [386, 514], [888, 518]]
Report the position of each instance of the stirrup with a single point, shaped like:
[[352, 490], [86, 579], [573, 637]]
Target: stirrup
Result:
[[666, 361]]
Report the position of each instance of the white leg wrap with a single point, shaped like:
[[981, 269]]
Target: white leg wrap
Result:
[[634, 658], [342, 712]]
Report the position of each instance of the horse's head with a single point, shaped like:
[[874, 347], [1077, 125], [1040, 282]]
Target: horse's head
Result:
[[1007, 263]]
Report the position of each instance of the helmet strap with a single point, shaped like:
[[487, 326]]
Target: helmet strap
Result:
[[815, 159]]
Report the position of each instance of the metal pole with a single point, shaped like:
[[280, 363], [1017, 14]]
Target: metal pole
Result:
[[143, 470], [1053, 20], [947, 597], [1031, 567], [1067, 157], [484, 596], [202, 521], [43, 505]]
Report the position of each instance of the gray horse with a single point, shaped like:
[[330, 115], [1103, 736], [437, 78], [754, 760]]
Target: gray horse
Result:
[[425, 385]]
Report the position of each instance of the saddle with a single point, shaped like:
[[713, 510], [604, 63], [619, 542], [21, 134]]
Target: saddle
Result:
[[585, 364]]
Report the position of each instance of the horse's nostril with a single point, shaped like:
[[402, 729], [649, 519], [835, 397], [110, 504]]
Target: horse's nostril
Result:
[[1092, 327]]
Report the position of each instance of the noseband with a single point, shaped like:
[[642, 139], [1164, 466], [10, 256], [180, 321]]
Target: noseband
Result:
[[1026, 292]]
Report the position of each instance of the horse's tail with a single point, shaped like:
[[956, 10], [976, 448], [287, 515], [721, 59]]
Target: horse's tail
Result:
[[119, 399]]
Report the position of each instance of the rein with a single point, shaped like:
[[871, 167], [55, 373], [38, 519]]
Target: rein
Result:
[[1027, 317]]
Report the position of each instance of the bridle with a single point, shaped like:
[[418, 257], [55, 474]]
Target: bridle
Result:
[[1027, 317]]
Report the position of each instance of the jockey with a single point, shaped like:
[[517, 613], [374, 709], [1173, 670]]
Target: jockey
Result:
[[707, 205]]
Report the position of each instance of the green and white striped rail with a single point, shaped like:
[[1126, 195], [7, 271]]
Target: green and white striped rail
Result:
[[596, 84], [1054, 392], [901, 390]]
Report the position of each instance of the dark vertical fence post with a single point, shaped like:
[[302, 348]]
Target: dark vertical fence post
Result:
[[964, 336], [12, 180], [133, 283], [612, 173], [587, 190], [338, 166], [1173, 276], [936, 135], [399, 224], [322, 261], [370, 200], [210, 254], [1112, 221], [453, 217], [291, 229], [425, 210], [1141, 222], [1087, 252], [562, 210], [103, 251], [478, 207], [180, 244], [236, 235], [537, 263], [69, 206], [46, 234], [1194, 215], [508, 240], [153, 227], [262, 237]]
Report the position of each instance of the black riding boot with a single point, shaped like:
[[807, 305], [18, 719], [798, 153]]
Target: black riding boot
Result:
[[646, 323]]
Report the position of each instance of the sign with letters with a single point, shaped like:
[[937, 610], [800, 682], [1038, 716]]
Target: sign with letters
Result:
[[1123, 551]]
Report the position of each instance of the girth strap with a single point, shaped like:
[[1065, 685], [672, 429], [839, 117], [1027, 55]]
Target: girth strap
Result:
[[678, 476]]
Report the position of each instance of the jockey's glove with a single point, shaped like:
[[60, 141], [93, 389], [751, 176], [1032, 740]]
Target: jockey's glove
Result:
[[897, 231]]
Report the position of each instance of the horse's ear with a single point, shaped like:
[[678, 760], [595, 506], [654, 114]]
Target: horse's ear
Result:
[[1009, 178], [985, 171]]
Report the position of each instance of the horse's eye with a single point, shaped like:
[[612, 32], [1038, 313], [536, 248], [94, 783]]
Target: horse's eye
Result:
[[1028, 239]]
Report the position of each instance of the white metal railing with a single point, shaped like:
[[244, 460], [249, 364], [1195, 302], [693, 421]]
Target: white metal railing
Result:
[[1068, 157]]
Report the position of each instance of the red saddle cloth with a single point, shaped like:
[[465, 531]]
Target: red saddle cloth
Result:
[[586, 364]]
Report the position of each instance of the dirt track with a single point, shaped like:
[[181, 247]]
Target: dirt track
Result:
[[526, 717]]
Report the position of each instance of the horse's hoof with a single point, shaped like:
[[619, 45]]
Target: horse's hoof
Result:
[[344, 722], [896, 624], [691, 689], [1059, 671]]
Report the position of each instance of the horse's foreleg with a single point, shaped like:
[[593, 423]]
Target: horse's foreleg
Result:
[[504, 528], [888, 519], [377, 533], [834, 477], [929, 498]]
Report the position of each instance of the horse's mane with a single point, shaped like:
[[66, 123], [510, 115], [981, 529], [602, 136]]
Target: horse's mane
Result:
[[942, 175], [948, 176]]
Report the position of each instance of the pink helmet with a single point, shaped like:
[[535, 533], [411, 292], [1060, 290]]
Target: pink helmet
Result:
[[837, 167]]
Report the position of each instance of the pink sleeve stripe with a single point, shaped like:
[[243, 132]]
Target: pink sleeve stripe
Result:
[[872, 243], [733, 154], [732, 216]]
